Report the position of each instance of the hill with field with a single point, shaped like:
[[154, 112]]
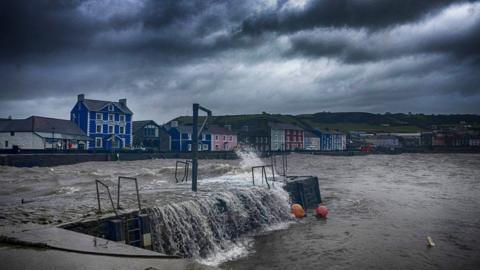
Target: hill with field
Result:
[[348, 121]]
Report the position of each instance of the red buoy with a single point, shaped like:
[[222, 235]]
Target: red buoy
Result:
[[321, 211]]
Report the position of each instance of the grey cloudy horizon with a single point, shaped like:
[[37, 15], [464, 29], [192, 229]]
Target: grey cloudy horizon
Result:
[[239, 57]]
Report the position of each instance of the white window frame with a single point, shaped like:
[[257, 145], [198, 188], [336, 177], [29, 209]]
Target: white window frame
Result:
[[113, 129], [121, 129], [189, 147], [111, 108], [205, 147], [204, 137], [122, 118], [189, 136], [224, 138], [99, 116], [216, 137], [225, 147], [230, 138], [101, 128], [112, 116], [98, 139]]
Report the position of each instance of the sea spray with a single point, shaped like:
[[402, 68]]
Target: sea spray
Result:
[[248, 159], [216, 224]]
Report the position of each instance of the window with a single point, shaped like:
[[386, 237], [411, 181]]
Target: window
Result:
[[189, 136], [99, 116], [230, 138], [6, 144], [225, 147], [110, 108], [12, 133], [205, 146], [122, 118], [189, 147], [224, 138], [110, 129], [99, 128], [200, 147], [122, 130], [216, 137], [111, 117], [98, 142], [151, 131]]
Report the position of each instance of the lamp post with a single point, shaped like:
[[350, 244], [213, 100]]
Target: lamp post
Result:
[[53, 136], [195, 134]]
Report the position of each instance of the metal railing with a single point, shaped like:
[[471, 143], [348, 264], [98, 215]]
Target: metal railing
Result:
[[185, 171], [284, 166], [109, 196], [264, 174], [136, 187]]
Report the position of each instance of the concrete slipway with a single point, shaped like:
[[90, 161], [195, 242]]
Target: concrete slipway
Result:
[[56, 248]]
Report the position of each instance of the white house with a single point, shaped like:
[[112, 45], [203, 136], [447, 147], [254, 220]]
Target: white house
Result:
[[37, 132]]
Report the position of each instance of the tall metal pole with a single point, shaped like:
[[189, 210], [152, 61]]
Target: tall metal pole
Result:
[[194, 147]]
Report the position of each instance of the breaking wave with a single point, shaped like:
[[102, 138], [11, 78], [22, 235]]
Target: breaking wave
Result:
[[217, 227]]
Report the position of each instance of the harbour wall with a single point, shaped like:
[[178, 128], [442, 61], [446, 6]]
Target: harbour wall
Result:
[[55, 159]]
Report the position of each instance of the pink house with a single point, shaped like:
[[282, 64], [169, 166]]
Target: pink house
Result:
[[222, 139]]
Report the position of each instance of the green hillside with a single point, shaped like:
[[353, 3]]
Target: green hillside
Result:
[[347, 121]]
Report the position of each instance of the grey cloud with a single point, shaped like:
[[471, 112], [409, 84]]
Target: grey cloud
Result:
[[238, 56], [339, 13]]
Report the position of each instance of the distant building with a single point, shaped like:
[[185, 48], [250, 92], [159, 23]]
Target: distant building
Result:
[[257, 136], [223, 139], [107, 123], [181, 138], [311, 141], [474, 141], [149, 135], [38, 132], [285, 137], [384, 141], [331, 140]]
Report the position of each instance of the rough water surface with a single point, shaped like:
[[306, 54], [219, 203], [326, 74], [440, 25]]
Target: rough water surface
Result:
[[382, 208]]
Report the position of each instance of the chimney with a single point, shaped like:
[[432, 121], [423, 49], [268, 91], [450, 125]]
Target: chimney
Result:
[[81, 97], [123, 101]]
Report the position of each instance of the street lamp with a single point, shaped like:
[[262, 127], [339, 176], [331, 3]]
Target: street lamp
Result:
[[53, 136]]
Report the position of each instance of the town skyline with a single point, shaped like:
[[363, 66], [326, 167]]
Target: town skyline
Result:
[[241, 57]]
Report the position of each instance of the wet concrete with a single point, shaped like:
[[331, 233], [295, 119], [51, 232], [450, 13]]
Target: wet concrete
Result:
[[56, 248]]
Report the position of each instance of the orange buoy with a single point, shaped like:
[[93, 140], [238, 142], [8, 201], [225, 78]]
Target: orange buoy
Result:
[[321, 211], [297, 210]]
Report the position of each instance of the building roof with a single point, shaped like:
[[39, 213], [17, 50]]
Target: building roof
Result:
[[283, 126], [97, 105], [136, 125], [220, 130], [41, 124], [188, 129], [329, 132], [309, 134]]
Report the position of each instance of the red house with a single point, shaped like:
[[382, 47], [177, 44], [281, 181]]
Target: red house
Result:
[[293, 137]]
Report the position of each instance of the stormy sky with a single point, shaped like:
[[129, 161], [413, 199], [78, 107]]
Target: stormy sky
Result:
[[240, 56]]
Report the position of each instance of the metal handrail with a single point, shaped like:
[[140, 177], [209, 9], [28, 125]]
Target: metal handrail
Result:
[[109, 196], [264, 174], [136, 187], [185, 173], [284, 170]]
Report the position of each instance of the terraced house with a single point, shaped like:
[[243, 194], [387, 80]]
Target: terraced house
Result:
[[107, 123]]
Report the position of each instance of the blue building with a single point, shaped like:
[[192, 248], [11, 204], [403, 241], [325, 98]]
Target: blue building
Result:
[[181, 138], [107, 123], [331, 140]]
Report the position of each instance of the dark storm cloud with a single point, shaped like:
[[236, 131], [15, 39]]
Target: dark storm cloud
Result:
[[340, 13], [239, 56]]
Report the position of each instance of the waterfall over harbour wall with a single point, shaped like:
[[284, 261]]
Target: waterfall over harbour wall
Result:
[[208, 225]]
